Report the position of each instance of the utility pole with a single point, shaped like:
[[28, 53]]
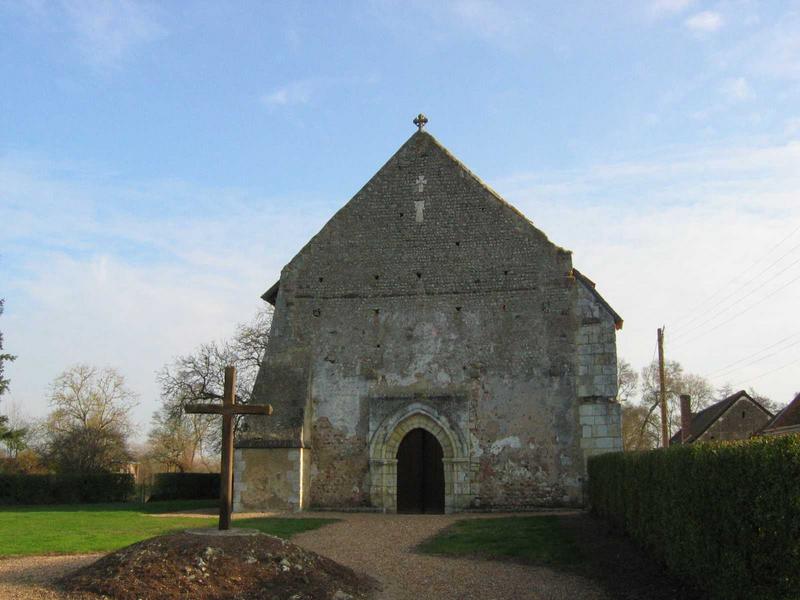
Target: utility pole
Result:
[[662, 380]]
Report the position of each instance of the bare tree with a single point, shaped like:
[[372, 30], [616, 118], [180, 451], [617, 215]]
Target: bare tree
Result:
[[90, 422], [627, 381], [87, 397], [176, 442], [677, 382], [641, 420], [198, 377]]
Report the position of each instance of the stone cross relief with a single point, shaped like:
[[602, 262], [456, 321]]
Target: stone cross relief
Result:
[[420, 204]]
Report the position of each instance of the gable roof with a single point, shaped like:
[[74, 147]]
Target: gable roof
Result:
[[706, 417], [424, 139], [788, 417]]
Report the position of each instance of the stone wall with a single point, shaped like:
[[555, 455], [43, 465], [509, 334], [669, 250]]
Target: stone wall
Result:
[[428, 290], [271, 479], [739, 422], [601, 427]]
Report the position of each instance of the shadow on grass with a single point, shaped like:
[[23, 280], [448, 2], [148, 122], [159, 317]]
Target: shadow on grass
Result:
[[534, 540], [577, 544]]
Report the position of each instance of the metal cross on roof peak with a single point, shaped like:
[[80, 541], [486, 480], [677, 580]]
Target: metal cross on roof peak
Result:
[[420, 121]]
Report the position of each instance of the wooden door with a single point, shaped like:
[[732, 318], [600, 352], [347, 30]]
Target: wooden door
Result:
[[420, 474]]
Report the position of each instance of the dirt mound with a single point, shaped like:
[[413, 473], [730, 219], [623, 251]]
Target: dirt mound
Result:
[[205, 567]]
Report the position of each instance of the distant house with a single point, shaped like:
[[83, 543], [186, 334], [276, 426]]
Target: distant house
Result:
[[786, 421], [737, 417]]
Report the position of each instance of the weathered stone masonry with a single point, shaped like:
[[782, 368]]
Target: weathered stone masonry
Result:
[[428, 302]]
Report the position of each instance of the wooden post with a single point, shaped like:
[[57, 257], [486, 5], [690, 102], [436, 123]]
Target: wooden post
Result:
[[662, 380], [228, 410], [226, 466]]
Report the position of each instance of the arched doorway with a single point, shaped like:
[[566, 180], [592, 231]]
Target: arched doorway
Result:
[[420, 473]]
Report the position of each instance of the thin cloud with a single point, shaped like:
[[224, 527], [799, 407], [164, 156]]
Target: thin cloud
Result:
[[307, 91], [704, 22], [296, 92], [737, 89], [107, 32], [660, 236], [488, 19], [663, 8], [100, 281]]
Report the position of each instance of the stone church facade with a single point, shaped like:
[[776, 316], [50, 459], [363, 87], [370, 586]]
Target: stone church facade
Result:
[[430, 350]]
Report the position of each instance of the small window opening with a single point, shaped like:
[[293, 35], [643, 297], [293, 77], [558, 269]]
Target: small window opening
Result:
[[377, 277], [419, 275], [321, 279], [458, 243], [743, 414], [377, 311], [458, 309], [505, 272], [401, 215]]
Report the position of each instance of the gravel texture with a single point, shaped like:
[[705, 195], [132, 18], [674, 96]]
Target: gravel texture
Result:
[[31, 577], [383, 547]]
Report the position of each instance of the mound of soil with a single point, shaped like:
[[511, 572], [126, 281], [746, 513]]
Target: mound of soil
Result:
[[205, 567]]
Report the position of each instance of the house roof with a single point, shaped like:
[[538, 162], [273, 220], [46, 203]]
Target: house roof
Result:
[[706, 417], [789, 416]]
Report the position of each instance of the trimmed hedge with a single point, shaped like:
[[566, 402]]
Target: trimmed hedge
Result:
[[725, 516], [185, 486], [66, 489]]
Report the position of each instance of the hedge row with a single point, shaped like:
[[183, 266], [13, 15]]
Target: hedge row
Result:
[[65, 489], [185, 486], [725, 517]]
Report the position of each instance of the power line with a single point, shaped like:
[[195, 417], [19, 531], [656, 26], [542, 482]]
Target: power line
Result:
[[735, 277], [738, 300], [732, 295], [736, 362], [727, 372], [752, 306], [796, 360]]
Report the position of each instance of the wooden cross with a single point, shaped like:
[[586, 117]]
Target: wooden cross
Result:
[[228, 409]]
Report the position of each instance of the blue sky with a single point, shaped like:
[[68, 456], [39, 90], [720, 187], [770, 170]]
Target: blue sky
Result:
[[159, 163]]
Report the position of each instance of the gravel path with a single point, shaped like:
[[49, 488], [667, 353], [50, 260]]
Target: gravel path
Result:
[[382, 546], [29, 577], [379, 545]]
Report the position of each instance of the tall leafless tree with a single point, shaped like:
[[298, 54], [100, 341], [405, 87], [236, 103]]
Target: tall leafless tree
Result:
[[198, 377]]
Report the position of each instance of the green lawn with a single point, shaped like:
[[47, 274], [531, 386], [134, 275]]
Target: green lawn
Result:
[[535, 539], [72, 529]]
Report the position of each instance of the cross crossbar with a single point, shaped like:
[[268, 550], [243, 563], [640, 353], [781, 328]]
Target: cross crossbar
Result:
[[221, 409]]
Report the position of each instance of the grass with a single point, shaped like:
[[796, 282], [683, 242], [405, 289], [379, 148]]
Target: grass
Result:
[[76, 529], [539, 540]]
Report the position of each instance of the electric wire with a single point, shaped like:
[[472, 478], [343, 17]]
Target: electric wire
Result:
[[721, 288], [727, 372], [683, 342], [789, 364], [736, 300]]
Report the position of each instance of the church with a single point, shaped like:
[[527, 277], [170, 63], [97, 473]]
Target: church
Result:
[[431, 350]]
